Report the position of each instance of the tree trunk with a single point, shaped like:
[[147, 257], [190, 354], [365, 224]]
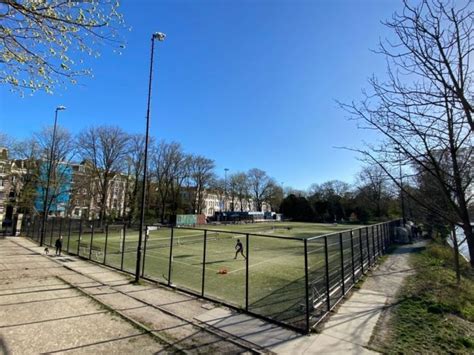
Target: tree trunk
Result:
[[467, 228], [456, 256]]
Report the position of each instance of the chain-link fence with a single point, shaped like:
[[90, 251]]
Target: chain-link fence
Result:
[[293, 281]]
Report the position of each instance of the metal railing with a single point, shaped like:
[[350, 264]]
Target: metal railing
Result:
[[291, 281]]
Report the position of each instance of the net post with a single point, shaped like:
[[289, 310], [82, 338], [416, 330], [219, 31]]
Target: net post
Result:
[[123, 245], [171, 257], [352, 257], [306, 277], [247, 244], [326, 258], [106, 241], [147, 235], [68, 236], [79, 237], [341, 247], [368, 245], [92, 241], [204, 263], [361, 251]]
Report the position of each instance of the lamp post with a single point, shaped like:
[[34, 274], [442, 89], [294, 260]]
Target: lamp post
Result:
[[401, 183], [48, 179], [160, 37]]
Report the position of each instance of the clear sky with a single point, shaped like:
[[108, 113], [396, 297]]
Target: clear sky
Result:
[[246, 83]]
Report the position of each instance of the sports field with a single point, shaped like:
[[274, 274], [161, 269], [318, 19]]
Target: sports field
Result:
[[276, 270]]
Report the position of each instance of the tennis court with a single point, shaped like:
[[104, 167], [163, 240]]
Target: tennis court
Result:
[[271, 282]]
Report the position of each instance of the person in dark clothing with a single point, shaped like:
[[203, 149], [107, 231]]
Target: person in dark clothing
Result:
[[59, 245], [239, 248]]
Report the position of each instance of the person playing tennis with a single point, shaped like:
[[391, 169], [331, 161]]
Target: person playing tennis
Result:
[[239, 248]]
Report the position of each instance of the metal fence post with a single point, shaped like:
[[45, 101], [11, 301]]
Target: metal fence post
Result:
[[123, 245], [368, 245], [92, 241], [79, 238], [373, 245], [326, 257], [147, 235], [61, 227], [341, 247], [361, 251], [352, 258], [306, 278], [171, 257], [247, 245], [382, 243], [28, 227], [68, 235], [53, 222], [106, 240], [204, 263]]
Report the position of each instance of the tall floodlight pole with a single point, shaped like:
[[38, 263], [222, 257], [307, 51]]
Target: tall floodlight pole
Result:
[[225, 188], [48, 179], [160, 37], [401, 183]]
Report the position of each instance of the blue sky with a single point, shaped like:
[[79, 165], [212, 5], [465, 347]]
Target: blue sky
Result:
[[246, 83]]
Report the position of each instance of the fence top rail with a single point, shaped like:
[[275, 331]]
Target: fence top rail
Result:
[[239, 233], [351, 230]]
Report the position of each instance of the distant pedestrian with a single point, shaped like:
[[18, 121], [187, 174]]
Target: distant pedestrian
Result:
[[239, 248], [59, 245]]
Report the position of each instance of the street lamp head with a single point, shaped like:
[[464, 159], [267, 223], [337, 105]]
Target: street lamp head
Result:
[[60, 108], [160, 36]]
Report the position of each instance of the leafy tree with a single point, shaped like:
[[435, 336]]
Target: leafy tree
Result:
[[39, 39]]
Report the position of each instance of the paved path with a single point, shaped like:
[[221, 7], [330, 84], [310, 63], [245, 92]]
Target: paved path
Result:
[[349, 330], [40, 313], [50, 304]]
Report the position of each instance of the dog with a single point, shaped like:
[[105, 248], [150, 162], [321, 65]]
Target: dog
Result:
[[46, 251]]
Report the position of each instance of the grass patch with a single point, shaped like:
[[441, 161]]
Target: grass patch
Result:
[[433, 314]]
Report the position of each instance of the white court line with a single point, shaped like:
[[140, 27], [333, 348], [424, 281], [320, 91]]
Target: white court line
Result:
[[181, 262], [273, 259]]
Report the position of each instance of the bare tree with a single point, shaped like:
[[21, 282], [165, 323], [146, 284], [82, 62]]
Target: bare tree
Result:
[[169, 165], [105, 148], [201, 174], [260, 186], [134, 169], [374, 190], [58, 170], [423, 109], [239, 186]]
